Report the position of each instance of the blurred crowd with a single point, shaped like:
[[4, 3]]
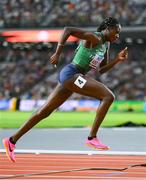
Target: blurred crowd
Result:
[[26, 72], [49, 13], [20, 69]]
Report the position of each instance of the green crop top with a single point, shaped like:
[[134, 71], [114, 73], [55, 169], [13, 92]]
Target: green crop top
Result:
[[84, 56]]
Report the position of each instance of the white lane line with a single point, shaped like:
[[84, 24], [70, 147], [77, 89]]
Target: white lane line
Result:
[[35, 151]]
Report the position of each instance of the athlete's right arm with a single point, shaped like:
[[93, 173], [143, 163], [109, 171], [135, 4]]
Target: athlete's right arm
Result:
[[78, 33]]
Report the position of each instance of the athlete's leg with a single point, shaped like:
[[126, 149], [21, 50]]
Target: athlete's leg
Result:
[[97, 90], [56, 98]]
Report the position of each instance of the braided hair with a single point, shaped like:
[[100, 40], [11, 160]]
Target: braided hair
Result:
[[108, 22]]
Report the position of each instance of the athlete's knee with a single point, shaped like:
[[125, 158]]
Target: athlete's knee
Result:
[[110, 97]]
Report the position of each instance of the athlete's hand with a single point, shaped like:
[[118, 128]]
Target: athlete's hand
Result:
[[122, 55], [54, 59]]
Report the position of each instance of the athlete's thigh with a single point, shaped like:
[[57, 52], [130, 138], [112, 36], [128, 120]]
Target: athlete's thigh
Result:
[[57, 97], [87, 86]]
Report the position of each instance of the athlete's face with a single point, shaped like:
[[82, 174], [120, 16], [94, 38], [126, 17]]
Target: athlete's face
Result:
[[114, 33]]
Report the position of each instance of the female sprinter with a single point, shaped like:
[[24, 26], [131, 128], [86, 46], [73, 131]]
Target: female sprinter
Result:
[[91, 53]]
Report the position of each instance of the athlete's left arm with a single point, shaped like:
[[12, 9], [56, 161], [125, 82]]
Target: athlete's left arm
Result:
[[106, 65]]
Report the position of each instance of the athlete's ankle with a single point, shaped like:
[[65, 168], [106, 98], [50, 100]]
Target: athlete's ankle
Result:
[[12, 141], [91, 137]]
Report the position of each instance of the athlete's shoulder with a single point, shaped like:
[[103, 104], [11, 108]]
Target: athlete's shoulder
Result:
[[97, 33], [100, 36]]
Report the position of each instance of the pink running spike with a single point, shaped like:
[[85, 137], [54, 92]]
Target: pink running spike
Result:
[[96, 144], [9, 149]]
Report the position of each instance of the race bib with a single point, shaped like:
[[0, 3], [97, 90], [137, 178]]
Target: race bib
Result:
[[96, 60], [80, 82]]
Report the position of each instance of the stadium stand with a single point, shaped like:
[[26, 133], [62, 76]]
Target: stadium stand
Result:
[[25, 68], [49, 13]]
